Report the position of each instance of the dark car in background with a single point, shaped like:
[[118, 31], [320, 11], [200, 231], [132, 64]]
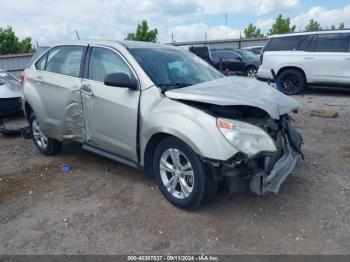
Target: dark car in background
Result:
[[255, 49], [10, 95], [229, 61], [238, 61]]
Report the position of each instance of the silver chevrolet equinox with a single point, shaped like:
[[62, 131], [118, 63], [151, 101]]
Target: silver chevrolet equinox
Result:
[[164, 110]]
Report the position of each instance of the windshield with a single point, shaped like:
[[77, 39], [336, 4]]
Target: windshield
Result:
[[249, 55], [174, 68]]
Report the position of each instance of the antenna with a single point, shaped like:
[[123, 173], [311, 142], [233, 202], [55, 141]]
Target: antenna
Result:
[[226, 24], [76, 32]]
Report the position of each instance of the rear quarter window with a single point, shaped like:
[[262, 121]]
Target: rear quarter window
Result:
[[286, 43], [41, 63], [332, 43]]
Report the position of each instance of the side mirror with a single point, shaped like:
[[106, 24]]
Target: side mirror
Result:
[[2, 81], [120, 80]]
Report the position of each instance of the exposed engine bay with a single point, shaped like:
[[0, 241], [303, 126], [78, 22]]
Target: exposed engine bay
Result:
[[265, 171]]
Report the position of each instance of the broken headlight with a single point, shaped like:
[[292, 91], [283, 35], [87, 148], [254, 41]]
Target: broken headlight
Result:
[[247, 138]]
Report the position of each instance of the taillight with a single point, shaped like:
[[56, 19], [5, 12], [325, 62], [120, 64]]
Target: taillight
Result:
[[21, 78]]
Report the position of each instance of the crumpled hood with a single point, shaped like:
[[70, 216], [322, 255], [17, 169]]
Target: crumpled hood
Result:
[[237, 90]]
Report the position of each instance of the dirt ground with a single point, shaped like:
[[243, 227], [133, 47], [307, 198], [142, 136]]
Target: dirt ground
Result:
[[103, 207]]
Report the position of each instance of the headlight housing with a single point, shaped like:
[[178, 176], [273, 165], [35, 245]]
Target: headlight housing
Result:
[[245, 137]]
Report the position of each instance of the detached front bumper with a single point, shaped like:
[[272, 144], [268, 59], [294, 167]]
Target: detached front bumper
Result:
[[265, 172], [261, 183]]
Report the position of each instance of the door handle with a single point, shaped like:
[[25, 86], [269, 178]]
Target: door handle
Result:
[[87, 90], [347, 58], [309, 57]]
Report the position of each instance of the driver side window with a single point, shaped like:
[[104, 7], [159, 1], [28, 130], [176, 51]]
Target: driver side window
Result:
[[103, 62]]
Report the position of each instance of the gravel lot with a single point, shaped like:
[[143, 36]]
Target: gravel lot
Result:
[[103, 207]]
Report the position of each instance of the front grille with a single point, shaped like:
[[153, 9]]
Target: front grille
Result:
[[238, 183]]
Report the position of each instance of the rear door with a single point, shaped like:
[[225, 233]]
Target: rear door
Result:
[[57, 80], [329, 59], [110, 113]]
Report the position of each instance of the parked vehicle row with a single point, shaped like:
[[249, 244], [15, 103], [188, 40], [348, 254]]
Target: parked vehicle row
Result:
[[319, 59], [240, 61], [230, 61], [166, 111]]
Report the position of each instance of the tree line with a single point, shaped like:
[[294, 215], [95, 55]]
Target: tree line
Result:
[[11, 44], [283, 25]]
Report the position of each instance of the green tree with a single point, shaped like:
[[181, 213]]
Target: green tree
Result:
[[252, 31], [143, 33], [10, 44], [281, 25], [313, 26], [341, 26]]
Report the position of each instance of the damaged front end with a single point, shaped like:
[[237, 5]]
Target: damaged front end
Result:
[[262, 171]]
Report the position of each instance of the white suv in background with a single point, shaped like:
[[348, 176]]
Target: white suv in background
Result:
[[300, 60]]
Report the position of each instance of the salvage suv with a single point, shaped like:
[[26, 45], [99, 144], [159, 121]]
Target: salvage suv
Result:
[[166, 111]]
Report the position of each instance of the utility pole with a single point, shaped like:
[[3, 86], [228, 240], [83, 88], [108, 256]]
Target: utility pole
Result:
[[205, 36], [172, 38], [226, 24]]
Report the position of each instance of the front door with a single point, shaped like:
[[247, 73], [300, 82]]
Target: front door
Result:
[[110, 113]]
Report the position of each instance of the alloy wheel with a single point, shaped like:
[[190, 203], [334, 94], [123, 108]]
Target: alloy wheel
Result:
[[176, 173], [39, 138], [252, 72], [290, 82]]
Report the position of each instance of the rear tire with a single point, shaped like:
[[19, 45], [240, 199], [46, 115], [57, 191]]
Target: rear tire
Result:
[[182, 177], [292, 81], [46, 145]]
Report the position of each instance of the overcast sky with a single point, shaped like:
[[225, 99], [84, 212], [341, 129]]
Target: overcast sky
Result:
[[49, 20]]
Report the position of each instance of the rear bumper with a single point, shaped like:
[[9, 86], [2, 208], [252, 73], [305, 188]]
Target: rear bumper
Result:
[[10, 106], [264, 74]]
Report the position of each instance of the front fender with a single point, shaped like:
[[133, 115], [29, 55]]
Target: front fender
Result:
[[193, 126]]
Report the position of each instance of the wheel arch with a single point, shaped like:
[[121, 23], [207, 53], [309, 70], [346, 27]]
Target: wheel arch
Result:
[[28, 110], [149, 151], [285, 68]]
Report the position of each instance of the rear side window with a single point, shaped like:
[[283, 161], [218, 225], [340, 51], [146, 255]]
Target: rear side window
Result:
[[287, 43], [103, 62], [65, 60], [332, 43]]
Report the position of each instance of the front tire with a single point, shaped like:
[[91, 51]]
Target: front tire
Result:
[[181, 175], [292, 81], [251, 72], [46, 145]]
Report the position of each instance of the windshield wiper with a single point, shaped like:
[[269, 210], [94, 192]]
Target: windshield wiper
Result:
[[166, 87]]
